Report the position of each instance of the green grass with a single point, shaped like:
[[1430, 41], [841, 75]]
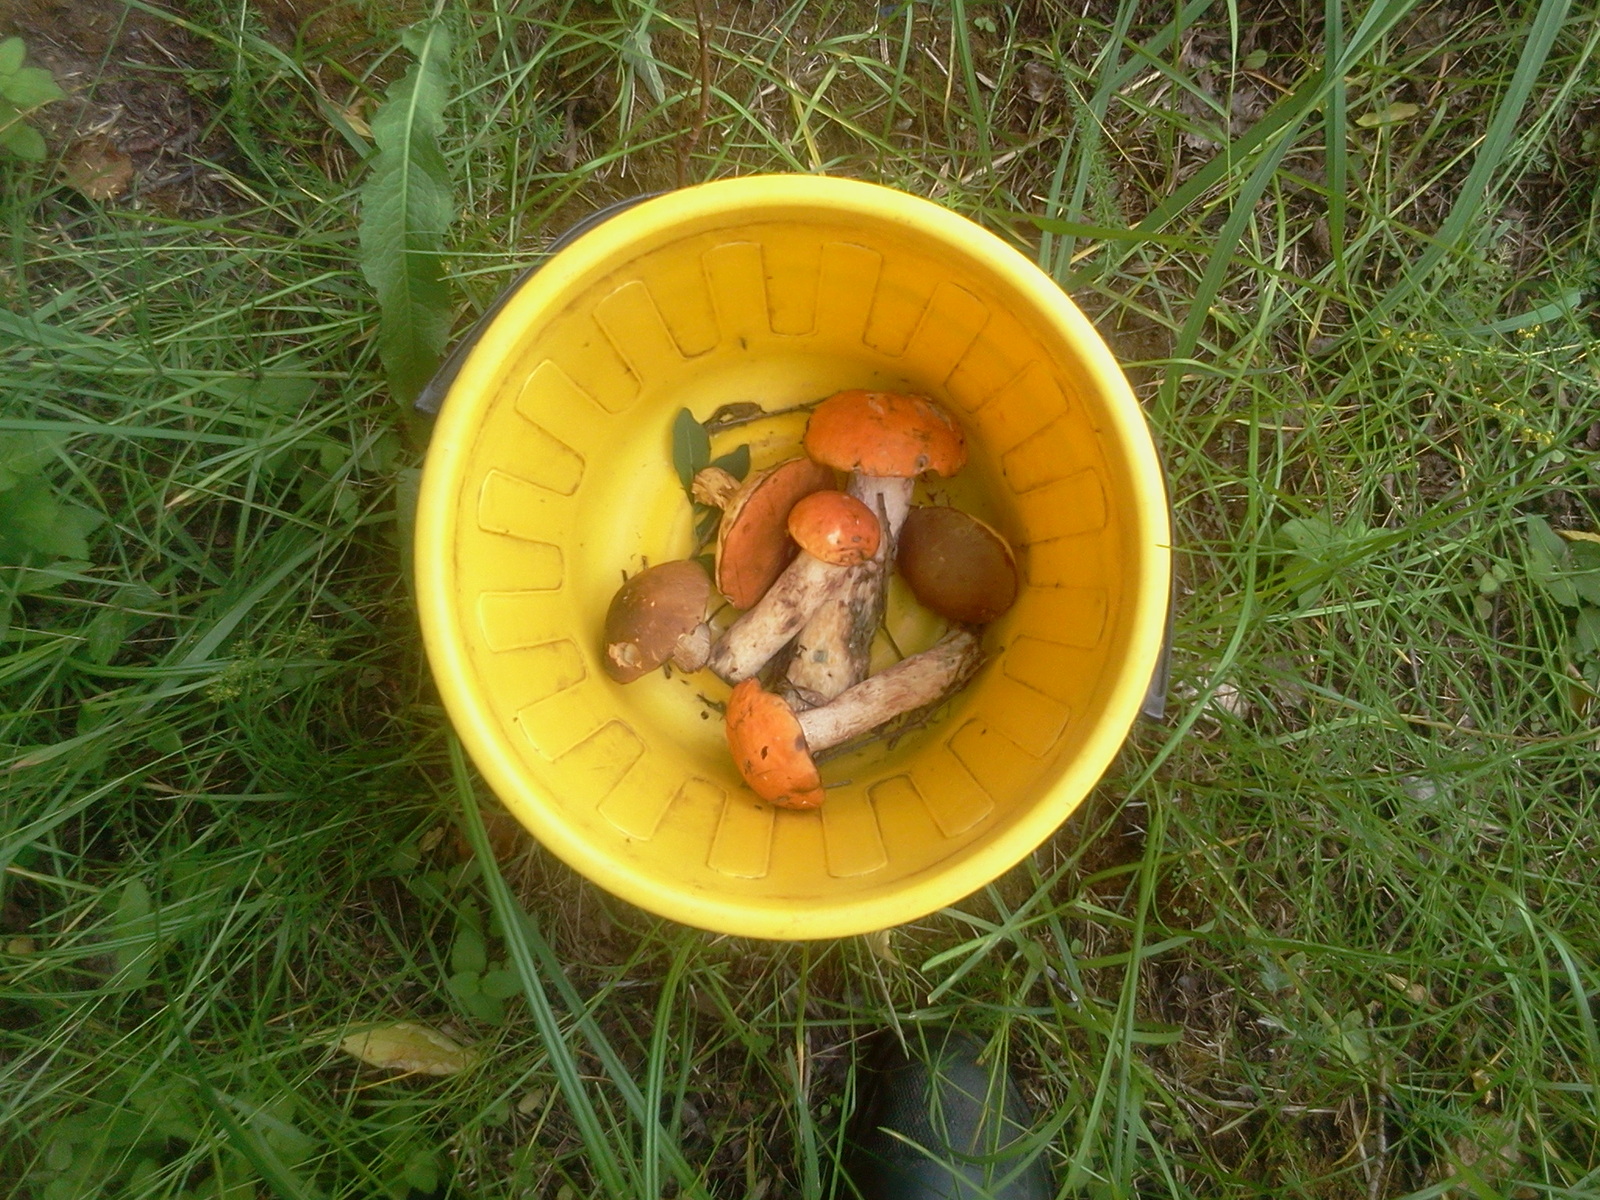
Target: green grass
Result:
[[1329, 932]]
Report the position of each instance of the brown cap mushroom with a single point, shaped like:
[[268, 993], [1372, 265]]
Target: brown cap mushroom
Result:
[[658, 615], [885, 434], [956, 565], [769, 749], [838, 529], [752, 546]]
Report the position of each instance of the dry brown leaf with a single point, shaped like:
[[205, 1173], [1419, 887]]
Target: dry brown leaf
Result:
[[405, 1046], [883, 946], [95, 167], [1040, 79], [352, 113], [1487, 1158]]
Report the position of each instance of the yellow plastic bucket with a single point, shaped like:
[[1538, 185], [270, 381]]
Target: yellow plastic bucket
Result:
[[550, 475]]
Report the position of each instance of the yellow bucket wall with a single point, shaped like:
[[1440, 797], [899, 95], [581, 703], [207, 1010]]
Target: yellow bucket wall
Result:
[[550, 475]]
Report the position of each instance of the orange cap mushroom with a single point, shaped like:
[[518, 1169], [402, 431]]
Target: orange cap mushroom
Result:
[[772, 745], [752, 547], [885, 434], [769, 748], [838, 529]]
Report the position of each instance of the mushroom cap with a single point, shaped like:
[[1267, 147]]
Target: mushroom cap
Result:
[[769, 748], [753, 546], [956, 565], [835, 527], [648, 615], [885, 434]]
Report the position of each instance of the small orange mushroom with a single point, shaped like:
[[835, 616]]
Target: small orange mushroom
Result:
[[772, 744], [752, 546], [831, 528], [769, 749], [885, 439], [838, 529]]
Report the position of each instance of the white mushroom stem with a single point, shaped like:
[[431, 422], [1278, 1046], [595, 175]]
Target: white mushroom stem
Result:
[[834, 649], [910, 683], [692, 649], [761, 632]]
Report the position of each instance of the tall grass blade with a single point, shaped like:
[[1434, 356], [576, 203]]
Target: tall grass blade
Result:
[[1480, 184], [535, 963], [605, 1157]]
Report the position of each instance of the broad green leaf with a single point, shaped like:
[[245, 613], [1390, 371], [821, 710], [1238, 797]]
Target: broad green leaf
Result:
[[638, 51], [691, 447], [735, 462], [501, 984], [134, 927], [1548, 562], [12, 53], [35, 523], [25, 142], [406, 207], [422, 1171], [30, 87], [407, 1046], [469, 952], [487, 1008], [24, 452], [1309, 534], [1587, 585], [1588, 631]]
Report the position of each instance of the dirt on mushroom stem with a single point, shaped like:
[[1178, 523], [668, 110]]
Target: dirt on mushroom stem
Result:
[[834, 649], [835, 532]]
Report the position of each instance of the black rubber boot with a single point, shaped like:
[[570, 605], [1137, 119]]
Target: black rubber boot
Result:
[[941, 1125]]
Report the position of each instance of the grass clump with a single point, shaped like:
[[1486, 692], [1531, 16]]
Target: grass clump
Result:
[[1328, 933]]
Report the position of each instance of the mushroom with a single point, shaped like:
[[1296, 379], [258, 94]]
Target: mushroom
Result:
[[834, 532], [772, 744], [752, 545], [885, 440], [956, 565], [657, 616]]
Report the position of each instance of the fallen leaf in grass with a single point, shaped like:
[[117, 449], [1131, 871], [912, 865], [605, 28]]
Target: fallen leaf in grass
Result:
[[1390, 114], [97, 168], [1227, 698], [533, 1101], [405, 1046], [883, 946], [1040, 79], [353, 115], [1413, 992], [1579, 535], [1487, 1157]]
